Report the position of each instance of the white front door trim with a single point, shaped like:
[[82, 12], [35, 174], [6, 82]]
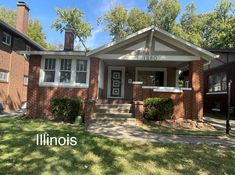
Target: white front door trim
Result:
[[121, 68]]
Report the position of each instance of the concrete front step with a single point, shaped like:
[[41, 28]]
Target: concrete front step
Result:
[[113, 115], [113, 108], [113, 121]]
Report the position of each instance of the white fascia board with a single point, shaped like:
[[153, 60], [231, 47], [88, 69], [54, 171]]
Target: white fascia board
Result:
[[148, 57], [67, 53]]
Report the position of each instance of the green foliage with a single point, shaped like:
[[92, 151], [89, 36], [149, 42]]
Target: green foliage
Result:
[[138, 20], [164, 13], [215, 29], [220, 26], [55, 46], [8, 15], [35, 29], [116, 22], [35, 32], [73, 19], [66, 109], [158, 108]]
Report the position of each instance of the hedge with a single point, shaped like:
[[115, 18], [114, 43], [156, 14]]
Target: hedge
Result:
[[158, 109], [66, 109]]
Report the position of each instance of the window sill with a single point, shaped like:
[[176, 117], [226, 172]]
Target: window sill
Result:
[[63, 85], [7, 44], [168, 89], [215, 93], [2, 81]]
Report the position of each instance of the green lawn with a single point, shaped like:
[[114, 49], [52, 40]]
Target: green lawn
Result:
[[99, 155]]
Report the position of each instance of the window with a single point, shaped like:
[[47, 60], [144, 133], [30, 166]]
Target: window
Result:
[[151, 76], [49, 70], [3, 75], [65, 70], [218, 82], [6, 39], [81, 71], [27, 48], [25, 80]]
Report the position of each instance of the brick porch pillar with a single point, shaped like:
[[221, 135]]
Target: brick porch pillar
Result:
[[196, 75], [32, 91], [138, 102], [93, 89]]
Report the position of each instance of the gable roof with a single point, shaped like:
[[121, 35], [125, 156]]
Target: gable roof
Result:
[[20, 34], [185, 44]]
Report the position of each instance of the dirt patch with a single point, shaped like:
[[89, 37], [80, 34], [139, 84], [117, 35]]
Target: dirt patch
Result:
[[182, 124]]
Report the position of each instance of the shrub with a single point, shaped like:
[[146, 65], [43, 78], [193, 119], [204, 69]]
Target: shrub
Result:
[[158, 108], [66, 109]]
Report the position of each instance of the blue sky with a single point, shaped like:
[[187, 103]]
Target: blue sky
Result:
[[44, 11]]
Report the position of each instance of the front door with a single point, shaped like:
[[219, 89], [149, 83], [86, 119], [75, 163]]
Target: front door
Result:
[[116, 82]]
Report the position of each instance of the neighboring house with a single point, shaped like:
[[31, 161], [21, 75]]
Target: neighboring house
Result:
[[216, 76], [141, 65], [14, 67]]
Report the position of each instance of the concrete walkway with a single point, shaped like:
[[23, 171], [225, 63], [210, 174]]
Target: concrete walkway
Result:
[[133, 133], [219, 123], [12, 114]]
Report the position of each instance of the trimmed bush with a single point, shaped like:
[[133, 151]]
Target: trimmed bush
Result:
[[66, 109], [158, 109]]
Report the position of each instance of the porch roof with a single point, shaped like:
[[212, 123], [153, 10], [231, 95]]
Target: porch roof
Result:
[[151, 31]]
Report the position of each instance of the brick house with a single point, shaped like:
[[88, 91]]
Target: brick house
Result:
[[216, 75], [144, 64], [14, 67]]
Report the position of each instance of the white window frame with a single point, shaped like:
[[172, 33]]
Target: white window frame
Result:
[[77, 71], [66, 70], [164, 70], [8, 36], [57, 82], [26, 80], [7, 78], [27, 48]]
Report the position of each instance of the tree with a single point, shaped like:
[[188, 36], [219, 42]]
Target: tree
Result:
[[35, 29], [164, 13], [55, 46], [8, 15], [137, 20], [73, 19], [35, 32], [220, 27], [191, 25], [121, 22], [115, 21]]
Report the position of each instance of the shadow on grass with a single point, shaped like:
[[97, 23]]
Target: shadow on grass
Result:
[[99, 155]]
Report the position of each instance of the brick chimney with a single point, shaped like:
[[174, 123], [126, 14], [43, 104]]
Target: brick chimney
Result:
[[69, 40], [22, 17]]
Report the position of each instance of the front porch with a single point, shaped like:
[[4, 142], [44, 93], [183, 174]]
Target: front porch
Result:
[[148, 64], [130, 82]]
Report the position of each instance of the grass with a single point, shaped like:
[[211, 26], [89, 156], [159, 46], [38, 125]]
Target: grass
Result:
[[100, 155], [163, 129]]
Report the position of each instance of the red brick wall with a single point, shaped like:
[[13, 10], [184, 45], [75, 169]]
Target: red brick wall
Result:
[[196, 74], [94, 73], [39, 97], [13, 93], [182, 107]]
